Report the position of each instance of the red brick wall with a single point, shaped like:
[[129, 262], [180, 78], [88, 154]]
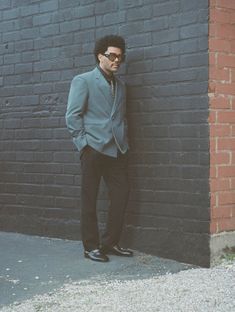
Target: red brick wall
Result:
[[222, 114]]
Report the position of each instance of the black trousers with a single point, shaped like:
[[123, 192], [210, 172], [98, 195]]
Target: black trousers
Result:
[[95, 165]]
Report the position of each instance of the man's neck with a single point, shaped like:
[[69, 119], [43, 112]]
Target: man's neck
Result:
[[108, 76]]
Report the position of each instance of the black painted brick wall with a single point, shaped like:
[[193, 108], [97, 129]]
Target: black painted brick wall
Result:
[[43, 44]]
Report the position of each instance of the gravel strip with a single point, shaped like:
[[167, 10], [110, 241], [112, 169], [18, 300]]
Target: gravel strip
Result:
[[194, 290]]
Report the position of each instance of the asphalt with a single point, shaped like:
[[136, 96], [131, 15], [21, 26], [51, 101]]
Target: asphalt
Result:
[[31, 265]]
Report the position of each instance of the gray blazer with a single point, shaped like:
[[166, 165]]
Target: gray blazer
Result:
[[94, 117]]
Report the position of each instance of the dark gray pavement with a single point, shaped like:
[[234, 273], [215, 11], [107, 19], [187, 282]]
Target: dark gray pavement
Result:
[[31, 265]]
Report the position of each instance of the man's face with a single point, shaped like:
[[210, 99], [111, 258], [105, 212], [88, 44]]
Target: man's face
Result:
[[111, 60]]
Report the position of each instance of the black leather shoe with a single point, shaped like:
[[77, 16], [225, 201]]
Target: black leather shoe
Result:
[[96, 255], [117, 251]]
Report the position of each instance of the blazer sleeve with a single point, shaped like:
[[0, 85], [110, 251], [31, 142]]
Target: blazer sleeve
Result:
[[77, 102]]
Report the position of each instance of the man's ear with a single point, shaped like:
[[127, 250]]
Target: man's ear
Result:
[[99, 56]]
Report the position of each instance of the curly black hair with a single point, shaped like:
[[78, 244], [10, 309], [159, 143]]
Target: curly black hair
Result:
[[103, 43]]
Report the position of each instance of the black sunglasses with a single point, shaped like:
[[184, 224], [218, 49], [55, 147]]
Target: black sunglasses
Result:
[[113, 56]]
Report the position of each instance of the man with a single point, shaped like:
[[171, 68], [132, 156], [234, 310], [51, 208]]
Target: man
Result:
[[96, 118]]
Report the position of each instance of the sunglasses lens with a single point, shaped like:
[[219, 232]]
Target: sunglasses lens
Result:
[[112, 57]]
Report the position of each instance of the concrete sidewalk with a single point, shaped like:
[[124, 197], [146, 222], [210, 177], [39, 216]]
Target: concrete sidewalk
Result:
[[31, 265]]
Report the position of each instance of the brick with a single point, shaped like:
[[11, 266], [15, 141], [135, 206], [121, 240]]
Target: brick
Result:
[[84, 60], [63, 40], [165, 36], [132, 28], [153, 78], [11, 36], [233, 157], [225, 4], [50, 76], [139, 13], [224, 60], [5, 4], [203, 44], [191, 31], [31, 56], [12, 123], [113, 29], [30, 33], [24, 45], [42, 19], [84, 11], [29, 10], [84, 36], [232, 72], [139, 40], [220, 130], [194, 60], [26, 22], [12, 80], [51, 53], [125, 4], [221, 212], [60, 134], [105, 7], [166, 63], [181, 19], [219, 16], [165, 9], [212, 59], [50, 30], [67, 4], [220, 74], [43, 88], [156, 51], [191, 6], [220, 184], [8, 91], [182, 89], [12, 58], [9, 25], [64, 157], [227, 198], [200, 74], [155, 24], [226, 88], [23, 68], [233, 102], [51, 5], [7, 48], [42, 65], [226, 116], [88, 22], [221, 158], [114, 18], [184, 46], [227, 224], [11, 13], [41, 43], [225, 31], [228, 171]]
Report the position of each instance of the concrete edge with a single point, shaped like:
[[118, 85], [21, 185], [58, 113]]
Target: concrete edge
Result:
[[218, 242]]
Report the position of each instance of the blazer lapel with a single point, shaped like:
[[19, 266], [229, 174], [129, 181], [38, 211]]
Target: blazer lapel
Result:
[[102, 85], [105, 89]]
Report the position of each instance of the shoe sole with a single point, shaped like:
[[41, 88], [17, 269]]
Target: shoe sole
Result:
[[95, 259]]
